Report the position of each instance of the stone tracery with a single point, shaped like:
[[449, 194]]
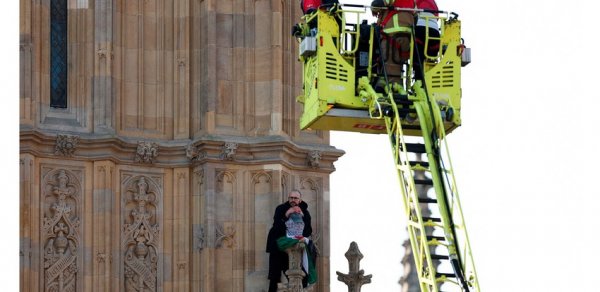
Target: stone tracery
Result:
[[61, 230], [141, 238]]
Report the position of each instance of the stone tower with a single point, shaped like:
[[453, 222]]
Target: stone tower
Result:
[[157, 137]]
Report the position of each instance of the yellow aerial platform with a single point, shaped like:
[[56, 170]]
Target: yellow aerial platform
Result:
[[338, 89], [343, 66]]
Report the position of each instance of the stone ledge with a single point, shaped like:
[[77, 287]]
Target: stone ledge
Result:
[[181, 153]]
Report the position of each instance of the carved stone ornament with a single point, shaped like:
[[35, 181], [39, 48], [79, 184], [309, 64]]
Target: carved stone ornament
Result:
[[191, 152], [314, 158], [61, 232], [229, 151], [294, 272], [25, 47], [100, 257], [356, 277], [104, 52], [225, 236], [66, 145], [199, 237], [181, 266], [141, 237], [146, 152], [101, 53], [316, 239], [199, 172]]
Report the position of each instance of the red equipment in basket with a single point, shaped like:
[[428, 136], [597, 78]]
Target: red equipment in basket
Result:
[[310, 6]]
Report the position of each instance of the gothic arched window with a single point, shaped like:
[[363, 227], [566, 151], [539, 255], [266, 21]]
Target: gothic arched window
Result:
[[58, 53]]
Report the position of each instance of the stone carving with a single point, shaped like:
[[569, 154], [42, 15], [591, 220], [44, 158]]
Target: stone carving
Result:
[[316, 239], [355, 277], [314, 158], [227, 235], [261, 175], [141, 238], [61, 233], [295, 272], [146, 152], [25, 47], [104, 52], [100, 257], [181, 266], [191, 152], [199, 172], [101, 53], [229, 151], [199, 237], [285, 178], [66, 145]]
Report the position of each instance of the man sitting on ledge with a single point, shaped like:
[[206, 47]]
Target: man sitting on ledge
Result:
[[291, 224]]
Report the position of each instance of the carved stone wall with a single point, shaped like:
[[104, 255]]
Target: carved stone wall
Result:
[[141, 232], [179, 139], [61, 228]]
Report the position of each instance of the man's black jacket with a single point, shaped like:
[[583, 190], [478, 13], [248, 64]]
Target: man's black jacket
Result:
[[279, 229]]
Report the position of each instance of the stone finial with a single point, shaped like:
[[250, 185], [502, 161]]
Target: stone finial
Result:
[[355, 277], [66, 145], [146, 152]]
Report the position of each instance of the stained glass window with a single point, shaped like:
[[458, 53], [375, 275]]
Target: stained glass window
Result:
[[58, 53]]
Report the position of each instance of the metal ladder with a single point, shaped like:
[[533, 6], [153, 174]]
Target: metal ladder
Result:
[[439, 242]]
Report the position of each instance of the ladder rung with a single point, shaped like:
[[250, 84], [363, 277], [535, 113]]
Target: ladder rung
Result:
[[426, 181], [415, 147], [427, 200], [439, 257], [438, 238], [411, 127], [432, 219], [448, 275], [422, 163]]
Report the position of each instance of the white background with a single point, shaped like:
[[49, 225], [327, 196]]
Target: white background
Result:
[[525, 157]]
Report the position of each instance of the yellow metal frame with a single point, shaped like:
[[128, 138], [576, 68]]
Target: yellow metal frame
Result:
[[335, 100], [329, 79]]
